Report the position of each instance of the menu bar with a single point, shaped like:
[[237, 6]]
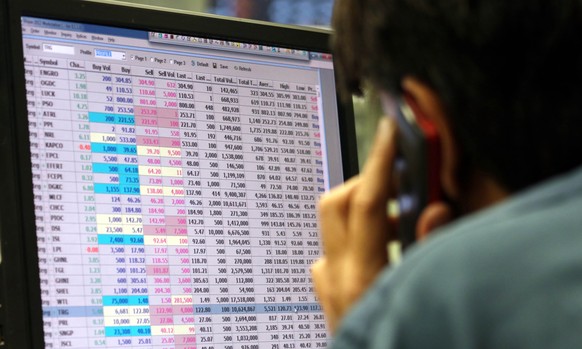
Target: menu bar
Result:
[[224, 45]]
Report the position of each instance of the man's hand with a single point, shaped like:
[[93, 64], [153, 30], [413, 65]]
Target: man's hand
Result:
[[356, 230]]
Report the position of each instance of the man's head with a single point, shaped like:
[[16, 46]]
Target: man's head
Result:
[[507, 74]]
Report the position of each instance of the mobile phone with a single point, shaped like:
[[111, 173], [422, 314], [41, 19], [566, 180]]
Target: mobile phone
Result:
[[416, 168]]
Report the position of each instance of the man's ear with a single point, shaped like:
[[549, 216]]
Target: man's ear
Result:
[[433, 216], [427, 102]]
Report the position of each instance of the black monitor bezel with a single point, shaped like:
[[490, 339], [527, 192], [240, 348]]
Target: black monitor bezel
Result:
[[20, 302]]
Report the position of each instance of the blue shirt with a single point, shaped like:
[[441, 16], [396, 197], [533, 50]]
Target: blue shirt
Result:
[[509, 276]]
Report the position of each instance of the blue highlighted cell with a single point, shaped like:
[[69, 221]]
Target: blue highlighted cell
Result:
[[214, 309], [102, 117], [133, 169], [111, 148], [127, 149], [116, 189], [110, 239], [115, 168], [105, 168], [104, 148], [124, 120], [117, 301], [127, 331], [128, 180], [130, 189], [111, 118], [102, 188]]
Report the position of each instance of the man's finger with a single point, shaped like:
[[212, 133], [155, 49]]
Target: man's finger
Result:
[[368, 209], [377, 173], [333, 215], [325, 291]]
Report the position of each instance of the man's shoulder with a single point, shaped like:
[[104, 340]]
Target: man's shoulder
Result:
[[487, 277], [531, 227]]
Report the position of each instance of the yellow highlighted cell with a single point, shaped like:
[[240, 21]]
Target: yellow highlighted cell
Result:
[[161, 191], [150, 170], [113, 220], [175, 330], [108, 138], [151, 190], [173, 191], [126, 311], [159, 151], [171, 171], [109, 229], [165, 240], [126, 229], [160, 171], [148, 151], [110, 219], [126, 320]]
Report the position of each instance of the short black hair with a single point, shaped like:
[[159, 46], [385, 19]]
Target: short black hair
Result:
[[509, 73]]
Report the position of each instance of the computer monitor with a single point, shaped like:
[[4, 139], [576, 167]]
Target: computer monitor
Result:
[[160, 177]]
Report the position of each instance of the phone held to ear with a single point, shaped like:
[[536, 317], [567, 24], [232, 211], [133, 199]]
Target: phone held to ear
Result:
[[416, 168]]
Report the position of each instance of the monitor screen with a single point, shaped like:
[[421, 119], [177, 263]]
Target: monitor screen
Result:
[[175, 178]]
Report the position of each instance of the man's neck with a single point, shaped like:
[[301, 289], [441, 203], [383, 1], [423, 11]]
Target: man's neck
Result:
[[483, 192]]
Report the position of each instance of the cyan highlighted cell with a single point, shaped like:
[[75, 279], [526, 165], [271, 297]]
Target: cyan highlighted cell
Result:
[[103, 188], [127, 149], [112, 239], [117, 301], [102, 117], [105, 168], [111, 118], [116, 189], [128, 169], [127, 331], [115, 168], [109, 148], [124, 120], [130, 189], [128, 180], [104, 148]]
